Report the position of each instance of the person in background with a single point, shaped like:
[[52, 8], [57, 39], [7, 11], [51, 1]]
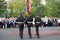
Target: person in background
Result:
[[0, 22], [11, 22], [46, 21]]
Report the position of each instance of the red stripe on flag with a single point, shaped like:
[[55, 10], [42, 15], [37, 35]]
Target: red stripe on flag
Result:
[[27, 7], [26, 1]]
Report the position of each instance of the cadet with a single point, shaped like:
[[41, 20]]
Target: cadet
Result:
[[37, 24], [29, 24], [20, 21]]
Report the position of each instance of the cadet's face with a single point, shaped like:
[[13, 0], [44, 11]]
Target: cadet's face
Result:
[[36, 15], [29, 15], [19, 16]]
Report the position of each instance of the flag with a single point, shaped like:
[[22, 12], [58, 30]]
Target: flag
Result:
[[27, 6]]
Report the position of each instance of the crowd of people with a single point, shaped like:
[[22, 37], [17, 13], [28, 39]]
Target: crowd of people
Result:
[[45, 22], [7, 22]]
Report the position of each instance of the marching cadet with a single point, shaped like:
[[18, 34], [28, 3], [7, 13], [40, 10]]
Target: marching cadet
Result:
[[29, 24], [37, 24], [20, 20]]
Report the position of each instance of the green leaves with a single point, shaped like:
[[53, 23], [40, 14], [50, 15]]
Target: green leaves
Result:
[[14, 7], [54, 7], [3, 8], [17, 6]]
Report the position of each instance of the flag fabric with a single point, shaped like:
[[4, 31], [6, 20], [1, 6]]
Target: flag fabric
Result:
[[27, 6], [26, 1]]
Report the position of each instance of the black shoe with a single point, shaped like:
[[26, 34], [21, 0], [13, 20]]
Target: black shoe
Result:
[[38, 37], [30, 37], [21, 37]]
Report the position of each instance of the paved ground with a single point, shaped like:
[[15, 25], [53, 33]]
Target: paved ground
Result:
[[46, 33]]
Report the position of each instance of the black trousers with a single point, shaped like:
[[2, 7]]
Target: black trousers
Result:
[[21, 28], [45, 24], [29, 30], [37, 29]]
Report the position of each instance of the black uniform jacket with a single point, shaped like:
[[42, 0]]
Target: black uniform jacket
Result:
[[29, 20], [20, 21], [37, 21]]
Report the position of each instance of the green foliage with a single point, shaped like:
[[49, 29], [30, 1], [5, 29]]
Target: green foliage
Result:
[[16, 7], [3, 8], [25, 14], [51, 9]]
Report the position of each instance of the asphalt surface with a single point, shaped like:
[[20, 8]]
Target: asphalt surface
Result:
[[46, 33]]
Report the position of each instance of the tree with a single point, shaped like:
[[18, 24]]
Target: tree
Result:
[[53, 8], [3, 8], [16, 7], [37, 7]]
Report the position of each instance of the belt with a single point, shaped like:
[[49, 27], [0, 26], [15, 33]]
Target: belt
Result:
[[30, 22], [19, 22], [37, 22]]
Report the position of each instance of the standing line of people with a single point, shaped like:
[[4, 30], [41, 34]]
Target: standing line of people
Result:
[[6, 23]]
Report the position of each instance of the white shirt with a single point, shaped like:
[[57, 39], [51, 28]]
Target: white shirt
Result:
[[0, 19]]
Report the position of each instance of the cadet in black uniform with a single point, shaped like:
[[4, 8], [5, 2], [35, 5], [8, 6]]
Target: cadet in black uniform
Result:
[[29, 24], [20, 20], [37, 24]]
